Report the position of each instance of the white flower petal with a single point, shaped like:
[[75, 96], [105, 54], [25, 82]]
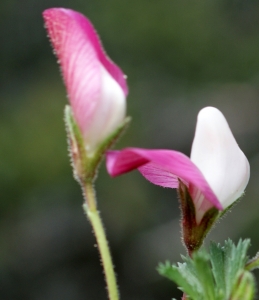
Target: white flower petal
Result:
[[218, 156], [109, 113]]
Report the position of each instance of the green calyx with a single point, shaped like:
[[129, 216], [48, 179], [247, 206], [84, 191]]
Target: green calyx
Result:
[[85, 166]]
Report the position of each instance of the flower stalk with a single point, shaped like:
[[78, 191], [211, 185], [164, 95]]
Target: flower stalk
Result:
[[85, 169], [93, 215]]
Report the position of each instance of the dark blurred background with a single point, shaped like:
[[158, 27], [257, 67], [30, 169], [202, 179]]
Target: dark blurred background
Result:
[[179, 57]]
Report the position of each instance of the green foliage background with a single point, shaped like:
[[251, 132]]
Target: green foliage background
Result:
[[179, 57]]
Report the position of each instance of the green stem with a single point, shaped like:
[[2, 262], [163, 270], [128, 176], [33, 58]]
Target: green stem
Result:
[[90, 209]]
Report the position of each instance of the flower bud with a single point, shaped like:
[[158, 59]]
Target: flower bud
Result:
[[96, 87]]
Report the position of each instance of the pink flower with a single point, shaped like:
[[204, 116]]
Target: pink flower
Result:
[[216, 174], [96, 87]]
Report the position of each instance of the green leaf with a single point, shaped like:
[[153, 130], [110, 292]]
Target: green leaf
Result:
[[235, 259], [182, 276], [244, 288], [204, 274], [217, 275], [253, 263], [218, 268]]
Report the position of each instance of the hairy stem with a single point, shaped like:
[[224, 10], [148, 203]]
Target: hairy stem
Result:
[[91, 211]]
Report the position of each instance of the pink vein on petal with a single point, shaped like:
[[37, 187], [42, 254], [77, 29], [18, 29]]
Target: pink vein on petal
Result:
[[57, 15], [80, 55], [158, 176], [109, 65], [161, 167]]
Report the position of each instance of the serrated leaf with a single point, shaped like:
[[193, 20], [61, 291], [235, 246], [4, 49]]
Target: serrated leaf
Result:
[[204, 274], [244, 288], [190, 265], [235, 259], [253, 263], [217, 275], [218, 268], [181, 275]]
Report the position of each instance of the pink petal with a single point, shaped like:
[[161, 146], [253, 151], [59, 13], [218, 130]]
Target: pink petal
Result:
[[81, 57], [158, 176], [161, 167]]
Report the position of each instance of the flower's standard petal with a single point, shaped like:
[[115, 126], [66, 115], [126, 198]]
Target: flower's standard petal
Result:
[[161, 167], [96, 86], [216, 153]]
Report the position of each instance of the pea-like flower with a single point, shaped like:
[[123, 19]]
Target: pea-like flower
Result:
[[96, 87], [216, 174]]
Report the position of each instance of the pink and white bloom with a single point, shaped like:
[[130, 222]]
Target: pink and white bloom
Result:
[[96, 87], [216, 174]]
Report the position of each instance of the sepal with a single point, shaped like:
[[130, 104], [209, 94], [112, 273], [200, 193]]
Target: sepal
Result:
[[194, 233], [76, 146], [85, 165]]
